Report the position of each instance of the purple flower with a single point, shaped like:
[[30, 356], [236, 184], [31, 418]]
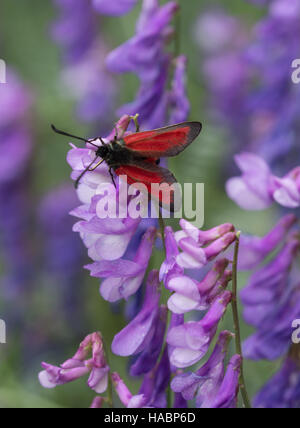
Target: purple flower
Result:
[[155, 383], [170, 267], [80, 365], [227, 395], [84, 75], [192, 240], [190, 294], [254, 95], [97, 403], [192, 339], [179, 103], [257, 188], [115, 8], [126, 397], [147, 359], [75, 28], [145, 55], [124, 277], [136, 337], [206, 381], [283, 390], [273, 336], [268, 284], [253, 249]]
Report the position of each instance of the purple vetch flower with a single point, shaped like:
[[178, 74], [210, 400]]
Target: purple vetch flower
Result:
[[124, 277], [227, 395], [192, 339], [97, 403], [206, 381], [75, 28], [114, 8], [170, 267], [136, 337], [190, 294], [80, 365], [254, 95], [192, 241], [282, 391], [63, 252], [145, 55], [258, 188], [127, 398], [84, 75], [273, 336], [253, 249], [155, 383], [179, 102], [147, 359], [267, 285]]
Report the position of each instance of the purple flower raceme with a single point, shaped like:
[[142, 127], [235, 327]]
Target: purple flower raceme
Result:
[[80, 365], [283, 390], [253, 94], [254, 249], [108, 239], [258, 188], [211, 386], [144, 54], [190, 341], [83, 50], [16, 147]]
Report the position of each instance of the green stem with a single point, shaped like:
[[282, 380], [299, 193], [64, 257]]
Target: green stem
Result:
[[109, 386], [236, 322]]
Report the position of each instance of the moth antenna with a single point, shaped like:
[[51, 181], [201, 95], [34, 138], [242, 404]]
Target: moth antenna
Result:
[[84, 172], [66, 134]]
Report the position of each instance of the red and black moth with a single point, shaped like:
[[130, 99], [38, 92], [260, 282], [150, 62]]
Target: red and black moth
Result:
[[137, 155]]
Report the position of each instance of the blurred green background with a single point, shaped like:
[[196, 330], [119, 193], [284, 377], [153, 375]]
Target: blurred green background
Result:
[[26, 46]]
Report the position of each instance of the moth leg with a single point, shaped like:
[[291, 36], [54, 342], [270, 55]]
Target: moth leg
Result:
[[112, 177], [136, 122], [96, 166]]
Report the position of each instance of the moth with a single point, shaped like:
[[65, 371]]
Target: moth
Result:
[[138, 155]]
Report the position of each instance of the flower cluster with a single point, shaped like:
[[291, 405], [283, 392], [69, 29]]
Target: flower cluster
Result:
[[145, 55], [81, 364], [84, 51], [254, 93], [16, 147], [258, 188]]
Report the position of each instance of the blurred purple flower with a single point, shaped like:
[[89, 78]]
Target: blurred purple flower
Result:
[[192, 339], [267, 285], [145, 55], [273, 337], [84, 74], [283, 390], [258, 188], [80, 365], [206, 381], [254, 249], [114, 8]]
